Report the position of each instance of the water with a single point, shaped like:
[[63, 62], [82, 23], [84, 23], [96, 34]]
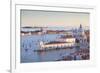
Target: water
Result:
[[31, 43]]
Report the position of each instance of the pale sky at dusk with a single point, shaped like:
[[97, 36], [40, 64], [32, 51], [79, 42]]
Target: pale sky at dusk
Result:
[[53, 19]]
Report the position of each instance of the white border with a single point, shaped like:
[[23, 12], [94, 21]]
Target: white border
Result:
[[16, 66]]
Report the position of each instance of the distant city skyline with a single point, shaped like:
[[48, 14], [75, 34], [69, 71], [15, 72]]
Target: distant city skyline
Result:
[[37, 18]]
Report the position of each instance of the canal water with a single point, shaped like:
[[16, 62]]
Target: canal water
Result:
[[31, 43]]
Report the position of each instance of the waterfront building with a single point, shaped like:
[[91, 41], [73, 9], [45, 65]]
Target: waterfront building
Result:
[[80, 35], [56, 44]]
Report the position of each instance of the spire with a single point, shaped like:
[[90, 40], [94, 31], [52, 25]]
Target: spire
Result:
[[80, 26]]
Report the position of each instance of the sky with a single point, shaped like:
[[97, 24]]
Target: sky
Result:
[[37, 18]]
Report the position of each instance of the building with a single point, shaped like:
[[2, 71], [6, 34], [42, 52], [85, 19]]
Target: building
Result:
[[77, 38], [56, 44], [64, 41], [79, 34]]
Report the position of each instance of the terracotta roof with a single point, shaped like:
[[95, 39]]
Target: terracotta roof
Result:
[[67, 36]]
